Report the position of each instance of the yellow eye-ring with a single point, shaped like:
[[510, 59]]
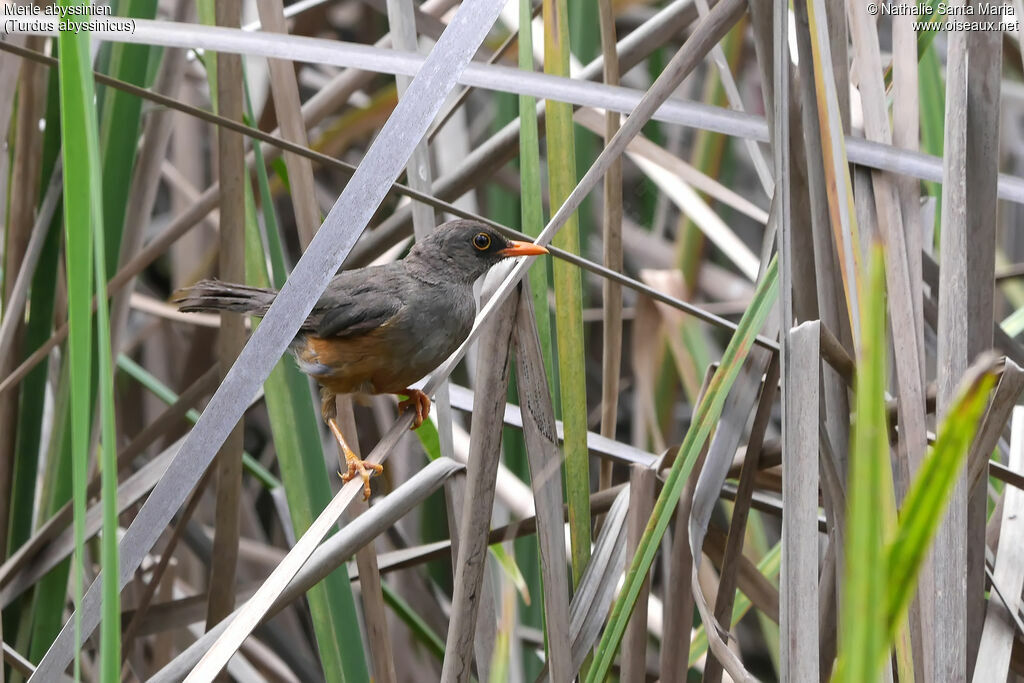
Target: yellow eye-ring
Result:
[[482, 241]]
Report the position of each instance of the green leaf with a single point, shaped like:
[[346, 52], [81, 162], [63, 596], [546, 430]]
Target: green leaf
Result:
[[861, 633], [86, 266], [928, 497], [880, 581], [419, 628], [119, 134], [508, 564], [568, 294]]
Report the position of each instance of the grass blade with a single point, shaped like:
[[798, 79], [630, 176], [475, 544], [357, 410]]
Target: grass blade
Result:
[[85, 264], [531, 202], [997, 637], [642, 486], [611, 345], [929, 496], [226, 81], [568, 293], [863, 621], [542, 452], [492, 378]]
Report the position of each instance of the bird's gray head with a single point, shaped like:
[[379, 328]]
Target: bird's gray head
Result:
[[463, 250]]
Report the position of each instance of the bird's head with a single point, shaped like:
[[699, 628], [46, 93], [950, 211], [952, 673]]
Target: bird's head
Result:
[[466, 249]]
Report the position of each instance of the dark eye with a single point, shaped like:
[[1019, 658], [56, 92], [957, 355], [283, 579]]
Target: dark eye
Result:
[[482, 241]]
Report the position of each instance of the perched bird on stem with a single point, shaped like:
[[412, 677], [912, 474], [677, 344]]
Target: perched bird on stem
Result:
[[380, 329]]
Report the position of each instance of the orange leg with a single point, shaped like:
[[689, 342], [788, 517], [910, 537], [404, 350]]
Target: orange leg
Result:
[[364, 468], [419, 402]]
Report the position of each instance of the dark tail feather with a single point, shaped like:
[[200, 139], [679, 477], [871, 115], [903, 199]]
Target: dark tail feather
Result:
[[214, 295]]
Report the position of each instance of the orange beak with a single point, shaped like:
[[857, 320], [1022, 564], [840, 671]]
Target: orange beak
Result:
[[517, 248]]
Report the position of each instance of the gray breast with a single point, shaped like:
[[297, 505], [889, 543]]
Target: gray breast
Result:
[[445, 317]]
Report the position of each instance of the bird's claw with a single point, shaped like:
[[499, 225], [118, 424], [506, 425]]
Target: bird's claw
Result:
[[419, 402], [365, 469]]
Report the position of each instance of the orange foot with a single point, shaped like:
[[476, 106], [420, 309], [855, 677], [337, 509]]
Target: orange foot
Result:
[[365, 469], [419, 402]]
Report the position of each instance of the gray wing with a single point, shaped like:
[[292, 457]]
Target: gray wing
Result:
[[350, 308]]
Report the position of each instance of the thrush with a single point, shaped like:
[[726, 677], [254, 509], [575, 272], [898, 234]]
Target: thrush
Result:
[[380, 329]]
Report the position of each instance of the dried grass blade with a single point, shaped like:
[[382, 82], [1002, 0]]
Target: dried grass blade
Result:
[[545, 478], [60, 519], [799, 581], [836, 165], [492, 380], [596, 589], [288, 107], [724, 601], [984, 84], [732, 92], [998, 634], [20, 172], [901, 255], [679, 596], [768, 566], [462, 398], [145, 180], [729, 659], [611, 345], [14, 306], [370, 587], [231, 335], [997, 415], [644, 147], [735, 415], [132, 490], [695, 208], [642, 481], [831, 302], [965, 322]]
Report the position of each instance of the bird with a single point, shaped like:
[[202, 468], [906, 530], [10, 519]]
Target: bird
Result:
[[380, 329]]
